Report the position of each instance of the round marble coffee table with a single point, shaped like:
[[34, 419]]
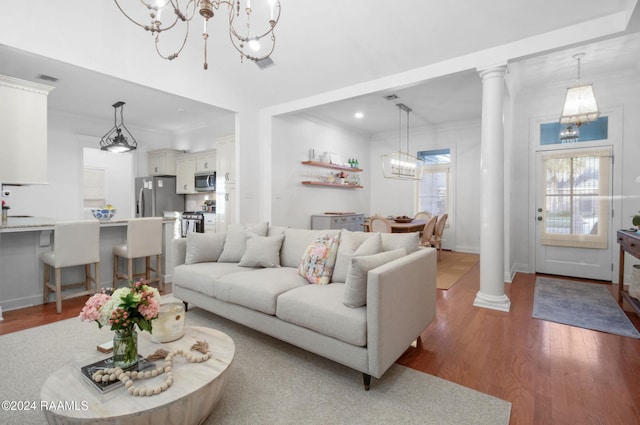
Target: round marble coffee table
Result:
[[196, 389]]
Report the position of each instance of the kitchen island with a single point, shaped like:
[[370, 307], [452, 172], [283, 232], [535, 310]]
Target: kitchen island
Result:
[[23, 239]]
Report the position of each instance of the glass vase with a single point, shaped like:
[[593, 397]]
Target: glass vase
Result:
[[125, 348]]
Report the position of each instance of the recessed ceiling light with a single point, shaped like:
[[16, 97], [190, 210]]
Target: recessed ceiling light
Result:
[[358, 115]]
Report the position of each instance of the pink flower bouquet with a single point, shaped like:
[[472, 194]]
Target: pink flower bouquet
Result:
[[124, 308]]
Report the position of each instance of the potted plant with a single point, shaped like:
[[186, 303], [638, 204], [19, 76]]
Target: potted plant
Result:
[[636, 220]]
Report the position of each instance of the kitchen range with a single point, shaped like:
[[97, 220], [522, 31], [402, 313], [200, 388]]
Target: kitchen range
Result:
[[200, 221]]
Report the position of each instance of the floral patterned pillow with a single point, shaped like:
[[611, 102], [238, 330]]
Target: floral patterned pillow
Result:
[[319, 259]]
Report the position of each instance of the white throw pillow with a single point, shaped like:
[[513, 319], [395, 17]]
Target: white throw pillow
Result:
[[204, 247], [355, 293], [234, 246], [354, 244], [262, 251]]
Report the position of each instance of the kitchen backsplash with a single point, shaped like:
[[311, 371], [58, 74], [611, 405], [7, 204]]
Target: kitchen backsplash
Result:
[[194, 202]]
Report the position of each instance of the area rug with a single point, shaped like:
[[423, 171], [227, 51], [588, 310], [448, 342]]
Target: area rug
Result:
[[270, 382], [584, 305], [452, 266]]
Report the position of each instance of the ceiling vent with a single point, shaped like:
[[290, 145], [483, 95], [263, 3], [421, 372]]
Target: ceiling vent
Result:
[[47, 78], [264, 63]]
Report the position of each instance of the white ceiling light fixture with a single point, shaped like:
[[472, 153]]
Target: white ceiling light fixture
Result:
[[580, 104], [117, 139], [179, 13], [401, 165]]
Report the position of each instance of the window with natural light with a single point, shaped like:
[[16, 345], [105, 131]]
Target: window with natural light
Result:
[[433, 192], [576, 198]]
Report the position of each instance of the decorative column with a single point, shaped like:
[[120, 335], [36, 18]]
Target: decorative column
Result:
[[491, 294]]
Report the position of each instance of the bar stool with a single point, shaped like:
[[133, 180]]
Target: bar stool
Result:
[[144, 239], [76, 243]]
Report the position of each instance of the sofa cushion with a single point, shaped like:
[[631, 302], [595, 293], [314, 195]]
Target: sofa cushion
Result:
[[296, 242], [355, 294], [262, 251], [201, 277], [318, 260], [203, 247], [320, 308], [354, 244], [408, 241], [257, 289]]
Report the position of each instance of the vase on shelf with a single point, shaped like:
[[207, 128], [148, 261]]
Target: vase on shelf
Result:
[[125, 348]]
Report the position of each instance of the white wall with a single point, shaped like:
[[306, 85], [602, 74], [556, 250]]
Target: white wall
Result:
[[293, 203]]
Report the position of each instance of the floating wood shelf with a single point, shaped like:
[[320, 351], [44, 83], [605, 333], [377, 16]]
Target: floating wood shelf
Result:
[[342, 186], [332, 166]]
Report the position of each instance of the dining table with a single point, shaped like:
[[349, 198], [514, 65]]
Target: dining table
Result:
[[412, 226]]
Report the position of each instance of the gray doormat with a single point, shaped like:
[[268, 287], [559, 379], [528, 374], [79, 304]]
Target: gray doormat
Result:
[[584, 305]]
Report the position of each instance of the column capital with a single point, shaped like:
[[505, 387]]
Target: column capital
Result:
[[493, 71]]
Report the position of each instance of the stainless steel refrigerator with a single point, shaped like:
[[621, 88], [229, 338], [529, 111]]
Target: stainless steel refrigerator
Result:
[[156, 195]]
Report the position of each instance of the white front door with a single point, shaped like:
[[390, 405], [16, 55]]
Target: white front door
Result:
[[573, 213]]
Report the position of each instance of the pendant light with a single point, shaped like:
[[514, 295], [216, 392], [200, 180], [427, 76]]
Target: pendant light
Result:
[[401, 165], [117, 139], [580, 103]]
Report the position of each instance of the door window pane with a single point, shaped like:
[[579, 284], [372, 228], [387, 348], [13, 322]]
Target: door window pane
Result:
[[576, 198]]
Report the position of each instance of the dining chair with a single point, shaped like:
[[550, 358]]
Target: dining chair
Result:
[[436, 239], [379, 224], [75, 243], [427, 232], [422, 215], [144, 239]]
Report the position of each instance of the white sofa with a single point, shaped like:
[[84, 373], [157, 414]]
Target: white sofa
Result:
[[210, 272]]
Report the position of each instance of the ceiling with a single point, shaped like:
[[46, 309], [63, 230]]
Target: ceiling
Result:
[[362, 41]]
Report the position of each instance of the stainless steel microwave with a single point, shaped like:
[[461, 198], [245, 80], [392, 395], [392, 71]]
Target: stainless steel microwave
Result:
[[205, 182]]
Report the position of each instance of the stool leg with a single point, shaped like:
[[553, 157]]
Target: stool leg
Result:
[[87, 277], [147, 268], [130, 269], [115, 271], [45, 280], [58, 290], [159, 272], [96, 280]]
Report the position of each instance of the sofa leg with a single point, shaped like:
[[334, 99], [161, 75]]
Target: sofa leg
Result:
[[367, 381], [186, 305]]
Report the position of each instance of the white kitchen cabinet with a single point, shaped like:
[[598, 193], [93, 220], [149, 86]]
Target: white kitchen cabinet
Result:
[[225, 208], [162, 162], [206, 162], [185, 169], [23, 120], [226, 160]]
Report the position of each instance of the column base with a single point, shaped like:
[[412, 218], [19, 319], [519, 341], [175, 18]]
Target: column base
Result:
[[500, 303]]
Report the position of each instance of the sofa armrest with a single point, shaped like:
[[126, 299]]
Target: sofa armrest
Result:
[[401, 303], [179, 251]]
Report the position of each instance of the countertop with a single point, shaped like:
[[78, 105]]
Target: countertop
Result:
[[29, 224]]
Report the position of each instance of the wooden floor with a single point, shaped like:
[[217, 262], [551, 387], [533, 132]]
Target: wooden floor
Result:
[[551, 373]]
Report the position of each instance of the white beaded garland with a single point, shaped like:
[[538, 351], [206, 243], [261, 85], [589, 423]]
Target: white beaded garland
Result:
[[127, 378]]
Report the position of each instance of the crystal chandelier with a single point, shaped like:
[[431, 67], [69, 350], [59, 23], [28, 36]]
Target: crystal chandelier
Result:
[[580, 103], [116, 139], [402, 165], [166, 15]]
